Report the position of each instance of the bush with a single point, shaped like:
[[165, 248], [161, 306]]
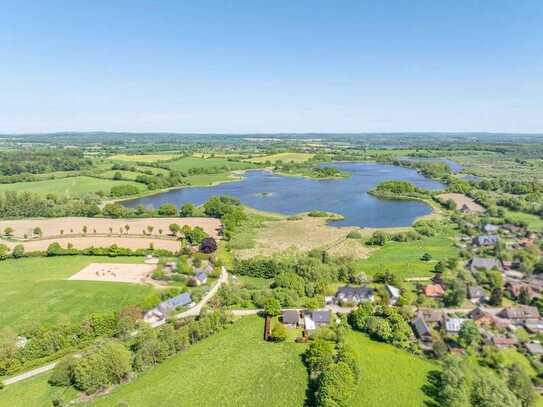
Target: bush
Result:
[[279, 333], [318, 214], [167, 209], [208, 245], [124, 190], [62, 373], [354, 234]]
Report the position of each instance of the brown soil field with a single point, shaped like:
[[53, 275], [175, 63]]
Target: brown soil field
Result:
[[97, 241], [116, 272], [460, 200], [74, 226]]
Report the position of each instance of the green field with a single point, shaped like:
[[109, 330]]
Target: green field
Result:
[[184, 164], [68, 187], [404, 258], [389, 376], [285, 157], [36, 290], [232, 368], [127, 175], [34, 392], [202, 180], [144, 158]]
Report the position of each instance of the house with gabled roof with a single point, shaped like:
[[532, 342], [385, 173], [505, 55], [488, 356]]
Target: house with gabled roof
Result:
[[484, 263], [485, 240], [354, 295], [393, 293], [476, 294]]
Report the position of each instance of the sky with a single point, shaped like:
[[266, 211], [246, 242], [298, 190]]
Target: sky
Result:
[[271, 66]]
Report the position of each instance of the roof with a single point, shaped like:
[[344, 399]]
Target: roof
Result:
[[421, 329], [490, 228], [201, 277], [350, 291], [520, 312], [290, 316], [454, 324], [534, 347], [206, 269], [321, 316], [476, 292], [478, 313], [309, 324], [433, 290], [504, 341], [484, 263], [430, 315], [534, 324], [486, 240], [174, 302], [394, 292]]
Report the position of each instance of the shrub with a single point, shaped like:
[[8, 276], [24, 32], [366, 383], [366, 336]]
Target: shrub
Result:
[[124, 190], [279, 333], [208, 245], [318, 214], [354, 234]]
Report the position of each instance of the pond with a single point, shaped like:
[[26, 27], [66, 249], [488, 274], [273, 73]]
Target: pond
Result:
[[291, 195]]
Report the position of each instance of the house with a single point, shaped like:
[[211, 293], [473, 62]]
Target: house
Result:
[[482, 318], [534, 348], [514, 228], [483, 263], [201, 278], [503, 342], [535, 283], [519, 313], [476, 294], [393, 293], [452, 325], [433, 291], [485, 240], [430, 316], [315, 319], [422, 331], [170, 304], [490, 229], [534, 325], [510, 265], [290, 318], [354, 295]]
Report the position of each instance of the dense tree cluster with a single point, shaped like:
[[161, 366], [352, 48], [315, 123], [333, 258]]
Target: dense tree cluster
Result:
[[35, 161]]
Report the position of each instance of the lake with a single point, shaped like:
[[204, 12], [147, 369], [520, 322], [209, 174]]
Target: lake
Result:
[[291, 195]]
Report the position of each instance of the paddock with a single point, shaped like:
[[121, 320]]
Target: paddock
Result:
[[116, 273]]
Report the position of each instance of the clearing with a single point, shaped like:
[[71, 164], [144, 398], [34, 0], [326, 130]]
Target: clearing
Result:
[[460, 200], [37, 290], [68, 187]]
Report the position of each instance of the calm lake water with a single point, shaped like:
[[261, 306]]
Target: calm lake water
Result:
[[290, 195]]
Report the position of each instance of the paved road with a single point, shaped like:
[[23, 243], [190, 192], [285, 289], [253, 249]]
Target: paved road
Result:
[[189, 313]]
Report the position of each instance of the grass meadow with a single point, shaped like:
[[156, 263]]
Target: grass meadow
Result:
[[144, 158], [389, 376], [232, 368], [67, 187], [36, 290], [184, 164]]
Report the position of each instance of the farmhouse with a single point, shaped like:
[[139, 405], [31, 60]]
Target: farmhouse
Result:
[[354, 295]]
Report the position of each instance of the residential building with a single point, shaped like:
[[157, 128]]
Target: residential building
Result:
[[354, 295], [433, 290], [201, 278], [291, 318], [171, 304], [490, 229], [503, 342], [517, 314], [483, 263], [452, 325], [430, 316], [534, 325], [482, 318], [534, 348], [485, 240], [316, 318], [476, 294], [422, 331]]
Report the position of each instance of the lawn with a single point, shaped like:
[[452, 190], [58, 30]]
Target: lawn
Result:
[[184, 164], [404, 258], [232, 368], [390, 377], [34, 392], [202, 180], [127, 175], [36, 290], [285, 157], [69, 187], [144, 158]]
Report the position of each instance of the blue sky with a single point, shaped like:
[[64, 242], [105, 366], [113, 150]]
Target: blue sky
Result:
[[281, 66]]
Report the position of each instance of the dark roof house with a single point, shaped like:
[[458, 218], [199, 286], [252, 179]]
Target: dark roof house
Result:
[[476, 293], [486, 240], [290, 317], [353, 294], [422, 330], [172, 303], [320, 317], [520, 312]]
